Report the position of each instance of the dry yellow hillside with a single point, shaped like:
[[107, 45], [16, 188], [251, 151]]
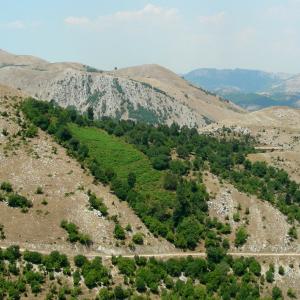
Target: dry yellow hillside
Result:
[[11, 59], [199, 100]]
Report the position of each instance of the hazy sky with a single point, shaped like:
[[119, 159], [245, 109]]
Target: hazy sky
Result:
[[181, 35]]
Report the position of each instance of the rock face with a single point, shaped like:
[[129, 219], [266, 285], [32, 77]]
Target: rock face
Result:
[[115, 94]]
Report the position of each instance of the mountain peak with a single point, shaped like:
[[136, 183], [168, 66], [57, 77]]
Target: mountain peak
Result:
[[7, 58]]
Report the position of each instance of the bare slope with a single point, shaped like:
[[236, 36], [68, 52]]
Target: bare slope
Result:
[[209, 105], [147, 93], [277, 127], [22, 60], [40, 162]]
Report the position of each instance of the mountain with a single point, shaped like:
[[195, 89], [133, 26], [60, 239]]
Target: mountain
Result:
[[7, 59], [71, 190], [242, 80], [141, 93], [287, 90], [251, 89]]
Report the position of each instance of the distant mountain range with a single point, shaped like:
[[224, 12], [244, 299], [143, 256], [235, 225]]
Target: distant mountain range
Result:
[[251, 89]]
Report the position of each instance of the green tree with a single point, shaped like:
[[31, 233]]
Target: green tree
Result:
[[131, 180], [277, 293], [90, 113], [119, 232], [170, 182], [138, 238], [241, 236]]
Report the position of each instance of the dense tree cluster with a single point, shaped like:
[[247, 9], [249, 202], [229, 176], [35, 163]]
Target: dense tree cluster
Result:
[[180, 216], [23, 274], [230, 279]]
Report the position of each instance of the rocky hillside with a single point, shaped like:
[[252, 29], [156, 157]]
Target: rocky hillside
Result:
[[119, 94], [278, 129]]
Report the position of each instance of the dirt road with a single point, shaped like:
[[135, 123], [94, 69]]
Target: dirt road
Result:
[[180, 254]]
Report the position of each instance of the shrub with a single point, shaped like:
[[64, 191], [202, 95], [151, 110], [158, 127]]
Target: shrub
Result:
[[182, 151], [55, 261], [128, 228], [138, 239], [281, 270], [126, 266], [236, 217], [97, 203], [119, 232], [131, 179], [74, 234], [39, 190], [170, 182], [291, 294], [80, 260], [31, 131], [293, 233], [178, 167], [276, 293], [160, 162], [12, 253], [270, 274], [188, 233], [241, 237], [94, 273], [120, 188], [33, 257], [6, 186], [16, 200]]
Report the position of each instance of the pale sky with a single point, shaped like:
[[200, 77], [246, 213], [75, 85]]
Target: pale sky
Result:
[[180, 35]]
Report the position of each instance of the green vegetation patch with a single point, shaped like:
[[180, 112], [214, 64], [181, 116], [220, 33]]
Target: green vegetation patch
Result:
[[74, 234], [114, 153]]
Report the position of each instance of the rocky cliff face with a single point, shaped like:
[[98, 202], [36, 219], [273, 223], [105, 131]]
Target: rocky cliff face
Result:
[[115, 94]]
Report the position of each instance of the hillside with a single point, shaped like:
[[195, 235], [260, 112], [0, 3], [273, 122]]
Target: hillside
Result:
[[59, 185], [288, 89], [275, 127], [242, 80], [213, 108], [113, 93], [8, 59], [251, 89]]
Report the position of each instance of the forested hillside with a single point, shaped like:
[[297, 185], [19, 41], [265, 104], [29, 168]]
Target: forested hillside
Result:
[[161, 176]]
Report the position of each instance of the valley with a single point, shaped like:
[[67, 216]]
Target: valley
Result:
[[250, 89]]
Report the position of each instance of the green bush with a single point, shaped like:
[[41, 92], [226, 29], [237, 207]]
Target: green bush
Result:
[[55, 261], [138, 238], [170, 182], [80, 260], [75, 235], [94, 273], [241, 236], [119, 232], [31, 131], [97, 203], [277, 293], [16, 200], [33, 257], [6, 186], [131, 180]]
